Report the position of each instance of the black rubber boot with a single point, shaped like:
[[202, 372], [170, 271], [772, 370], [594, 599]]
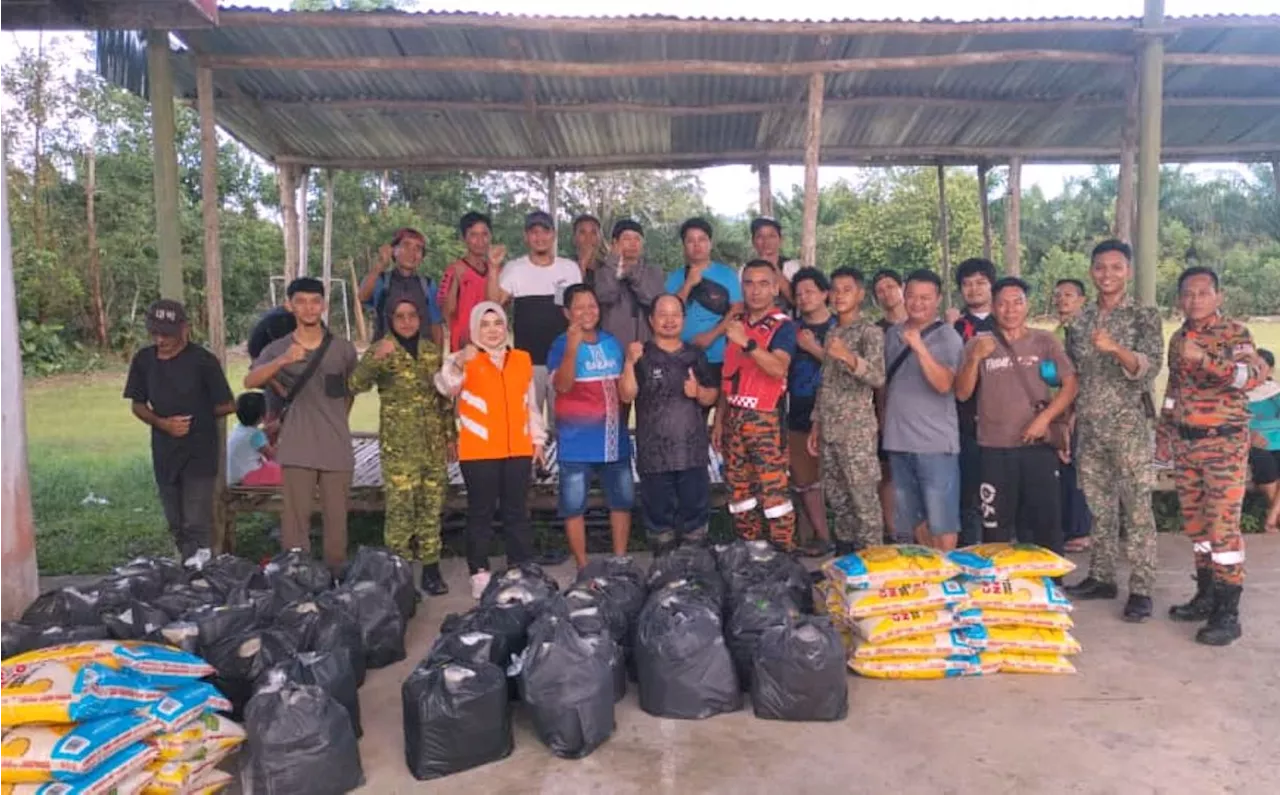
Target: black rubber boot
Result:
[[1201, 605], [1224, 625], [1137, 609], [1090, 588], [432, 583]]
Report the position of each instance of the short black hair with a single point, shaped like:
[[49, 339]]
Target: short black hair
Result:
[[572, 291], [759, 223], [758, 263], [583, 218], [885, 273], [250, 407], [1268, 357], [1076, 283], [1198, 270], [973, 267], [398, 236], [653, 307], [1112, 244], [471, 219], [1010, 281], [305, 284], [925, 275], [695, 223], [814, 275], [850, 273], [626, 225]]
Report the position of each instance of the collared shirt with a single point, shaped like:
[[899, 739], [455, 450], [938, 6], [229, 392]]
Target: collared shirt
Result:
[[1213, 392], [1109, 395]]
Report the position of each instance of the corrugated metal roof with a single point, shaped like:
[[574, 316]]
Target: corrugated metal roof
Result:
[[1064, 111]]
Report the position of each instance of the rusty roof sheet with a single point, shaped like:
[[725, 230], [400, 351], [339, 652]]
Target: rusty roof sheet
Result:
[[1049, 111]]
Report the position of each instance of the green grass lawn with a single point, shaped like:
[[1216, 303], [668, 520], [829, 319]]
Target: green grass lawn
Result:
[[82, 440]]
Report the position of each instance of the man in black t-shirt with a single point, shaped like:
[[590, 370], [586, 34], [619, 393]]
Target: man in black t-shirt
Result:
[[179, 389], [974, 278]]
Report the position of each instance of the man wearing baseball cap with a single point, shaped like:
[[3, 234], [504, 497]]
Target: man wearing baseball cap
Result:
[[180, 390], [534, 286]]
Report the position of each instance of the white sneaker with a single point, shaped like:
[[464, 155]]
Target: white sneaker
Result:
[[202, 556], [479, 581]]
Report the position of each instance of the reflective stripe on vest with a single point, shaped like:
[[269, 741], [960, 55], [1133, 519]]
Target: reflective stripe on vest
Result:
[[745, 385], [493, 408]]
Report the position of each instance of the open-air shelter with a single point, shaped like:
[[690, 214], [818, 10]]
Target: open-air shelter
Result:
[[343, 90]]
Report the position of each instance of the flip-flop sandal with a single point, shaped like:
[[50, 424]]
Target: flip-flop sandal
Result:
[[1078, 545]]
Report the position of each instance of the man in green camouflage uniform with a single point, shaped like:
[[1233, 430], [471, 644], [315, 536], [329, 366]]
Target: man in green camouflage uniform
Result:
[[1116, 346], [416, 430], [844, 418]]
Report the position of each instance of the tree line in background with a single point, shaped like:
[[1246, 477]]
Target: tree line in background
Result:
[[78, 159]]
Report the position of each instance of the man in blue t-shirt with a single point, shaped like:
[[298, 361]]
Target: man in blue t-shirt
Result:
[[711, 291], [591, 429]]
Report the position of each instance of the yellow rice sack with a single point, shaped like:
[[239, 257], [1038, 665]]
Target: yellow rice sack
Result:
[[937, 644], [1026, 640], [901, 564], [916, 667], [210, 782], [1033, 595], [1027, 618], [122, 774], [1007, 561], [56, 692], [865, 603], [172, 778], [160, 665], [883, 629], [207, 733], [42, 752], [1009, 663]]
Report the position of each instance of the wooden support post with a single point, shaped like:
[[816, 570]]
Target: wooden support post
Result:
[[944, 236], [223, 530], [288, 220], [356, 306], [1013, 220], [165, 178], [1125, 206], [984, 206], [1275, 179], [766, 189], [304, 239], [327, 254], [553, 202], [1151, 96], [812, 146], [19, 578]]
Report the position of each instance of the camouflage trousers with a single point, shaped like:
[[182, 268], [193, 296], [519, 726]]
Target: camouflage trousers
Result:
[[1210, 476], [414, 492], [850, 483], [756, 471], [1114, 467]]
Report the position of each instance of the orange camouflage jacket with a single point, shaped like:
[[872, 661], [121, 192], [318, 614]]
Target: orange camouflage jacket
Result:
[[1211, 393]]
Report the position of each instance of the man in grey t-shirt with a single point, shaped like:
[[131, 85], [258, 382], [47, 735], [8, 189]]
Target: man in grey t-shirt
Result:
[[315, 436], [921, 432]]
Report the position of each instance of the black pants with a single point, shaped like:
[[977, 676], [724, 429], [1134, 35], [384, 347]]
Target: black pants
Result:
[[970, 484], [187, 501], [501, 482], [677, 505], [1265, 465], [1020, 496]]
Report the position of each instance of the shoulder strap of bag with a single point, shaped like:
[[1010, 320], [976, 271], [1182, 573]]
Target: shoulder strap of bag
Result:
[[902, 357], [309, 371], [1023, 378]]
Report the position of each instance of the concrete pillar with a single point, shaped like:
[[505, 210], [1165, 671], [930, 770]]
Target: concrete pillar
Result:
[[1151, 106], [163, 134]]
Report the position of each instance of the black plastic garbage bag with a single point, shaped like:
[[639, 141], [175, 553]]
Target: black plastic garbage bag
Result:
[[168, 570], [241, 660], [381, 626], [567, 684], [800, 673], [695, 589], [16, 638], [226, 573], [135, 621], [218, 622], [747, 563], [758, 608], [65, 607], [539, 585], [508, 625], [689, 563], [328, 671], [582, 597], [465, 646], [300, 742], [179, 634], [296, 575], [326, 624], [456, 717], [614, 567], [178, 600], [390, 571], [592, 625], [684, 666], [56, 636], [116, 593]]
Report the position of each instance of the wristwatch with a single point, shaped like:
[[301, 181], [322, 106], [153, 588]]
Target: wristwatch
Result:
[[750, 346]]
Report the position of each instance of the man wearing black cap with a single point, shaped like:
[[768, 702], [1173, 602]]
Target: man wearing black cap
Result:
[[626, 285], [179, 389], [534, 286], [384, 288], [766, 239]]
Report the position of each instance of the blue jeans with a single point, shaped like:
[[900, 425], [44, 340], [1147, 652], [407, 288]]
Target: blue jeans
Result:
[[615, 479], [926, 488], [677, 505]]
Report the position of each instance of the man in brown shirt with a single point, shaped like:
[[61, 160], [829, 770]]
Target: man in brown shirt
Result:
[[1007, 369]]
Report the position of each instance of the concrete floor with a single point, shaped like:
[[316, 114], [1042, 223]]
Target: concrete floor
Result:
[[1149, 712]]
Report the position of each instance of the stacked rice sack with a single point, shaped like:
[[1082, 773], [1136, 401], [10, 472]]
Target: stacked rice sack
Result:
[[118, 717], [1026, 615], [903, 613]]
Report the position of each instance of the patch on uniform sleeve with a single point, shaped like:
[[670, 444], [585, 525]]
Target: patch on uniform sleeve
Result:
[[1169, 403], [1242, 375]]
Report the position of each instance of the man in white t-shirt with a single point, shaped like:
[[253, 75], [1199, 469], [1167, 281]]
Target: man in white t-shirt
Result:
[[534, 286]]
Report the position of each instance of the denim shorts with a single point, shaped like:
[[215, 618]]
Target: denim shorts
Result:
[[615, 479], [926, 487]]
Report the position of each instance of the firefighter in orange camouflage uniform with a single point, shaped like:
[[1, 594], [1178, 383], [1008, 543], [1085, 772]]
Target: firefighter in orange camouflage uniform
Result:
[[748, 428], [1205, 426]]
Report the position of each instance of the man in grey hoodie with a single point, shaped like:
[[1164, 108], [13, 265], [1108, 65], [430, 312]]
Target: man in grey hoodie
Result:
[[626, 285]]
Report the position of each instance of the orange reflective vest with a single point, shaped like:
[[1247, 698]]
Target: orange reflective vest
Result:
[[493, 408]]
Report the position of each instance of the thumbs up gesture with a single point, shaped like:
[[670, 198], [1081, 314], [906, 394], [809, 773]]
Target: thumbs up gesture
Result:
[[691, 386]]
